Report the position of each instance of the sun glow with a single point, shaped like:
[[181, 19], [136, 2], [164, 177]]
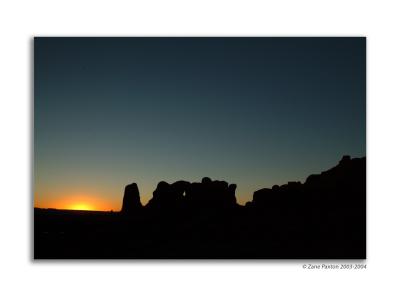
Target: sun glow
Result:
[[81, 207], [80, 202]]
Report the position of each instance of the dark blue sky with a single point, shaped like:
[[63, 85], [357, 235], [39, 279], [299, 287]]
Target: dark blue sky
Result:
[[251, 111]]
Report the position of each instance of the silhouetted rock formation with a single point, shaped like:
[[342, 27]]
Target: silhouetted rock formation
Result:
[[341, 186], [322, 218], [346, 179], [131, 201], [205, 196], [168, 196]]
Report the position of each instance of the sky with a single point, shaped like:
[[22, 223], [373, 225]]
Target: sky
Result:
[[251, 111]]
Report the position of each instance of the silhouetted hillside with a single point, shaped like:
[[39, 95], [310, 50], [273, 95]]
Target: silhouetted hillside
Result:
[[323, 218]]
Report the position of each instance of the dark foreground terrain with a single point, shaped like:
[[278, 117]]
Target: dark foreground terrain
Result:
[[323, 218]]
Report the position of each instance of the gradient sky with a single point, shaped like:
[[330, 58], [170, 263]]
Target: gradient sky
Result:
[[251, 111]]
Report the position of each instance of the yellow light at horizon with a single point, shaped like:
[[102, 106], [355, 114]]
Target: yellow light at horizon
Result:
[[81, 207]]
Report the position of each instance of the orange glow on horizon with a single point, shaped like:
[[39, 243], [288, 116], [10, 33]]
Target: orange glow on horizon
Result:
[[77, 202]]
